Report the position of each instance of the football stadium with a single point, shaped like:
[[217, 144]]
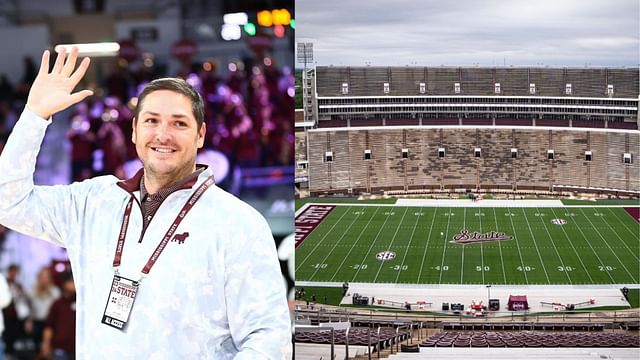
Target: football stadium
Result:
[[467, 207]]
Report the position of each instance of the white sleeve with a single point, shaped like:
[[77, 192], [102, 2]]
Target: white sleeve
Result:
[[257, 308], [45, 212]]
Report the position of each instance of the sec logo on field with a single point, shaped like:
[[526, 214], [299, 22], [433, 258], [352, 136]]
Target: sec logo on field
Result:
[[558, 221], [386, 255]]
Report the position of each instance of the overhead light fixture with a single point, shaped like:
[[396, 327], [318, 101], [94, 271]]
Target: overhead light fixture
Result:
[[239, 18], [92, 49]]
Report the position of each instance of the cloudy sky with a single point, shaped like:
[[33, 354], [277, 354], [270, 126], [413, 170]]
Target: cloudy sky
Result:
[[470, 32]]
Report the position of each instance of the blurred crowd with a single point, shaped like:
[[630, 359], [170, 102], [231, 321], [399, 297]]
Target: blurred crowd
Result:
[[39, 323], [249, 113]]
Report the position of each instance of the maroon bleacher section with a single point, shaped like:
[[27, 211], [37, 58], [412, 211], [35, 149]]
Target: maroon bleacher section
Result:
[[552, 122], [594, 124], [588, 124], [357, 336], [332, 123], [366, 122], [402, 122], [440, 121], [623, 125], [514, 122], [531, 339], [477, 121]]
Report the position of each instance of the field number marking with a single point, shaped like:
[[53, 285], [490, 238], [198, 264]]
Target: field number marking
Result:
[[606, 268], [565, 268], [403, 267], [480, 268], [319, 266], [525, 268], [359, 266]]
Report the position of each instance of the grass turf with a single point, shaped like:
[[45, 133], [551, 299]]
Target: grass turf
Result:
[[324, 295], [595, 246]]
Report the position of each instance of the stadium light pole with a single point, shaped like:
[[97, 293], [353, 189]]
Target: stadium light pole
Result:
[[305, 56]]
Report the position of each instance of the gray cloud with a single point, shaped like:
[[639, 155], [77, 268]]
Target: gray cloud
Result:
[[467, 32]]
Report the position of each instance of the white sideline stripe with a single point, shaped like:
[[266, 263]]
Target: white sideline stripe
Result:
[[468, 286], [469, 203]]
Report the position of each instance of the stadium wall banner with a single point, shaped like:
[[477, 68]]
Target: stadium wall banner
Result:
[[463, 237]]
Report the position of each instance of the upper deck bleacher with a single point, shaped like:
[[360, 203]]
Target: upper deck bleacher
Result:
[[477, 81]]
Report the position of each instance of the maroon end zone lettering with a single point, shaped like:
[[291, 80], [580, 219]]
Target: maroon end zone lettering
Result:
[[309, 219], [634, 212]]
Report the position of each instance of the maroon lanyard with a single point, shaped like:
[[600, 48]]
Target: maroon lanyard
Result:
[[165, 240]]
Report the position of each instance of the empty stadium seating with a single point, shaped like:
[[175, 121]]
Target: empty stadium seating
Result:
[[423, 169], [531, 339], [514, 81]]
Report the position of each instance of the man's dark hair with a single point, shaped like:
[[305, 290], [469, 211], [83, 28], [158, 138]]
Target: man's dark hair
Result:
[[179, 86]]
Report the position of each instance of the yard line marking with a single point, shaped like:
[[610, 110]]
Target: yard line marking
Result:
[[518, 247], [544, 267], [322, 239], [391, 244], [408, 246], [609, 246], [354, 244], [570, 243], [373, 242], [544, 224], [481, 249], [594, 252], [424, 255], [621, 221], [464, 226], [621, 240], [495, 217], [444, 247], [334, 245]]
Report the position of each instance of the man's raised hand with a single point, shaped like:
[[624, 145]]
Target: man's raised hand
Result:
[[51, 91]]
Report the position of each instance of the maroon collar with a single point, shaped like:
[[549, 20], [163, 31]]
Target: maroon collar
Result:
[[133, 184]]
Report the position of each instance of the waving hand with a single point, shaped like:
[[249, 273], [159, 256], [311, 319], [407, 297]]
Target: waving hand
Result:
[[51, 91]]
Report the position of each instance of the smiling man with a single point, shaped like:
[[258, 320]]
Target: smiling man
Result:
[[167, 265]]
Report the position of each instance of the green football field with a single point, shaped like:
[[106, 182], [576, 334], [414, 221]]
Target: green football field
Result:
[[413, 245]]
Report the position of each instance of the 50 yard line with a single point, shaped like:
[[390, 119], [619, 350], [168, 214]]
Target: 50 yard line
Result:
[[495, 218]]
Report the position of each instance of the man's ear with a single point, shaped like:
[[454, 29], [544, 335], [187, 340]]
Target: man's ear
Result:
[[201, 133], [133, 133]]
